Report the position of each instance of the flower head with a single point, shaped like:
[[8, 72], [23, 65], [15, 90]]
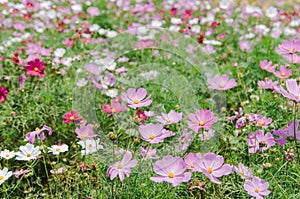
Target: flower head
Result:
[[185, 140], [257, 187], [3, 94], [260, 141], [136, 98], [170, 118], [190, 160], [57, 149], [28, 152], [201, 119], [293, 88], [35, 68], [267, 84], [38, 133], [172, 170], [243, 171], [212, 167], [221, 82], [153, 133], [71, 117], [291, 132], [115, 107], [90, 146], [148, 153], [4, 175], [121, 168], [6, 154], [85, 132], [283, 73]]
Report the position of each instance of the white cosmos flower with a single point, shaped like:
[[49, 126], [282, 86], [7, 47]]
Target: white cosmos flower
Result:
[[77, 8], [4, 175], [176, 21], [94, 28], [224, 4], [28, 152], [6, 154], [59, 52], [111, 33], [57, 149], [271, 12], [111, 93], [212, 42], [90, 146], [82, 82]]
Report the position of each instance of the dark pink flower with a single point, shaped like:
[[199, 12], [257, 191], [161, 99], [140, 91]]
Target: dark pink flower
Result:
[[3, 94], [172, 170], [71, 117], [35, 68]]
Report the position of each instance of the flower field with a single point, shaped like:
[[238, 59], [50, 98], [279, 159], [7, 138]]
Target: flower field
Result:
[[149, 99]]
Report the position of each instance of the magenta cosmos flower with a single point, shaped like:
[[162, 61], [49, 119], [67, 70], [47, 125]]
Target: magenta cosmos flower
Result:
[[71, 117], [221, 82], [259, 141], [85, 132], [170, 118], [257, 188], [115, 107], [35, 68], [293, 90], [172, 170], [267, 66], [283, 73], [202, 119], [291, 132], [212, 166], [154, 133], [121, 168], [3, 94], [136, 98]]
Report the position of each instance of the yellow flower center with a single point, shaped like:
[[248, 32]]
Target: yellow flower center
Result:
[[201, 123], [168, 121], [57, 149], [221, 85], [247, 115], [141, 115], [36, 129], [1, 177], [135, 101], [7, 155], [261, 123], [209, 170], [298, 97], [283, 74], [171, 174], [28, 155], [151, 137], [72, 118], [120, 166], [36, 69], [192, 165], [266, 68], [113, 110], [90, 146], [291, 50], [256, 190], [85, 135], [241, 172]]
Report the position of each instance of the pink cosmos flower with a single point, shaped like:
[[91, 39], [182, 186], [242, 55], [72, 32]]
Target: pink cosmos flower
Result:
[[207, 135], [172, 170], [115, 107], [92, 69], [136, 98], [85, 132], [293, 88], [71, 117], [148, 153], [35, 68], [288, 48], [190, 160], [259, 141], [267, 66], [153, 133], [245, 46], [38, 133], [267, 84], [212, 166], [263, 122], [143, 44], [3, 94], [93, 11], [140, 116], [122, 168], [257, 188], [171, 118], [221, 82], [185, 140], [284, 73], [21, 172], [237, 114], [243, 171], [291, 132], [202, 119]]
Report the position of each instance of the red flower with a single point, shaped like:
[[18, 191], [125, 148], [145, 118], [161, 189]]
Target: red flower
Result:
[[35, 68], [3, 93], [71, 117]]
